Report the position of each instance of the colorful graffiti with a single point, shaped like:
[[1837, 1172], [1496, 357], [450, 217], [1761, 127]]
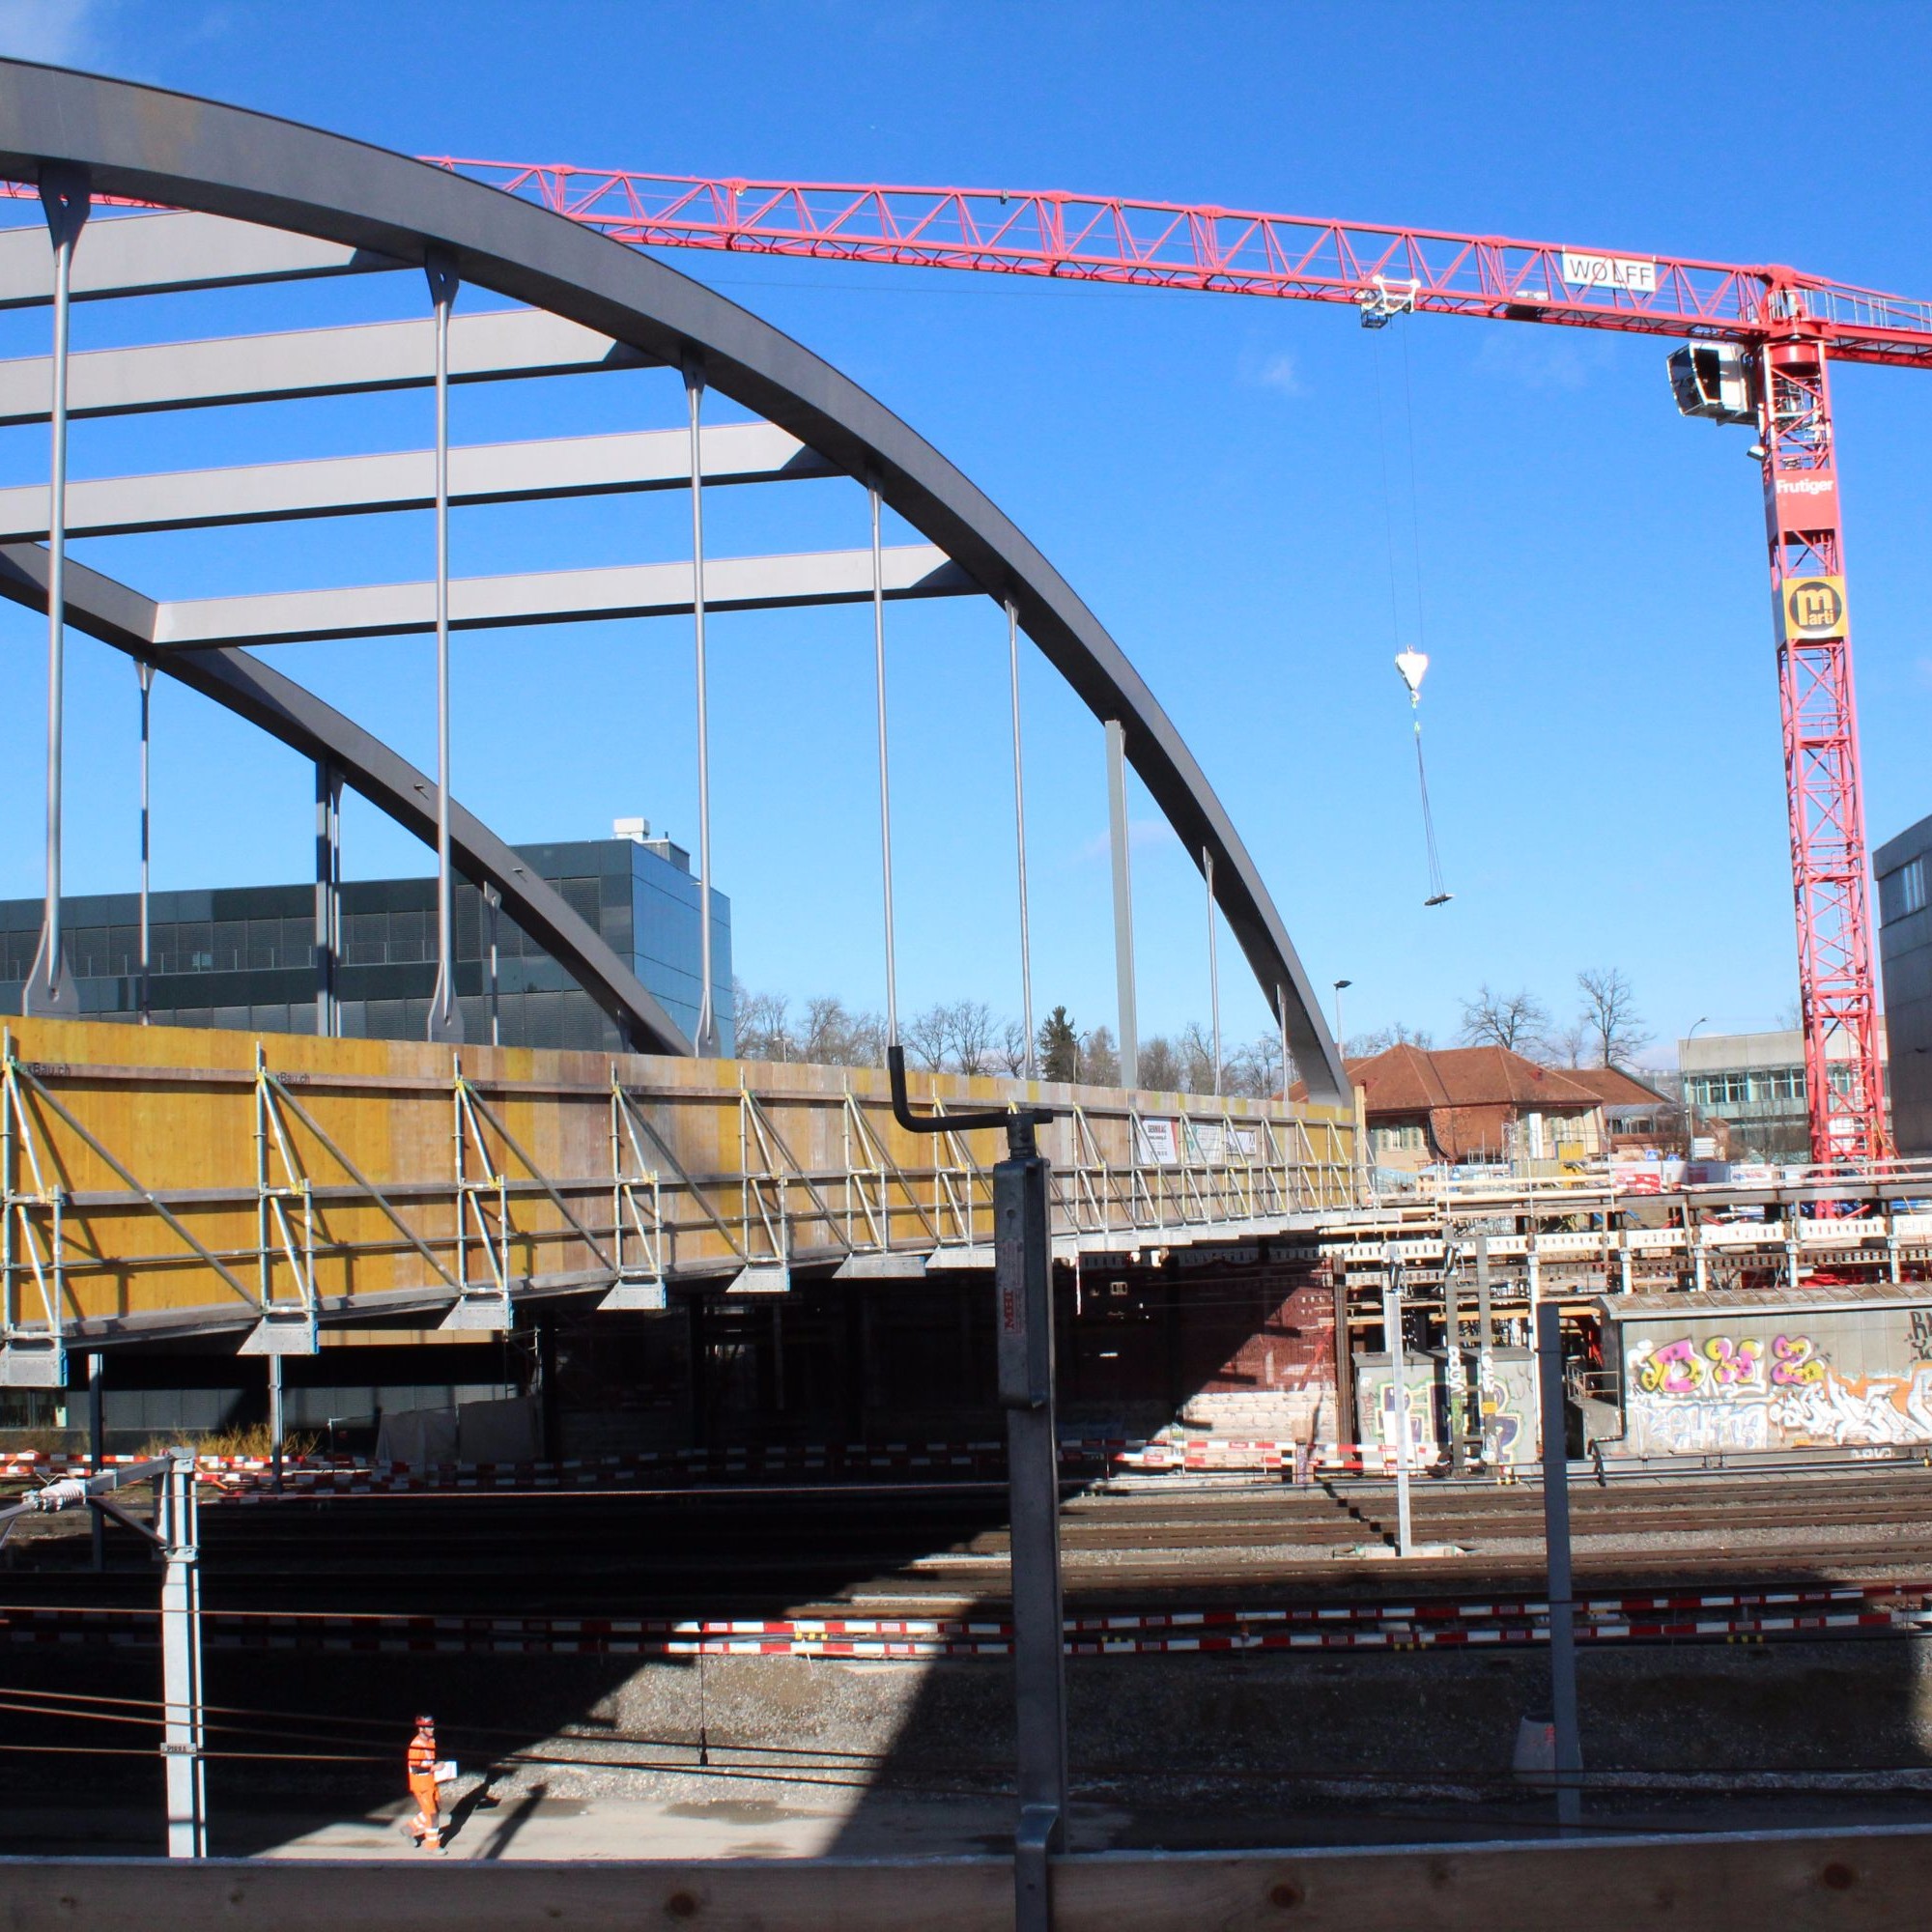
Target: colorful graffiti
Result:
[[1698, 1394]]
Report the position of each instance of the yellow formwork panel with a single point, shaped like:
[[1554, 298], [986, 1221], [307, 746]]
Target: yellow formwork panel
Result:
[[158, 1140]]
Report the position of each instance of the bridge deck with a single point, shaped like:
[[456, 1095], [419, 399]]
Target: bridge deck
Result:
[[172, 1180]]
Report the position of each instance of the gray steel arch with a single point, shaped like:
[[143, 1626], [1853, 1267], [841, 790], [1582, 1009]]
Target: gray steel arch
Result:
[[240, 682], [185, 152]]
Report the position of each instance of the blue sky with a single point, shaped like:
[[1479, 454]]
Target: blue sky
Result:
[[1602, 711]]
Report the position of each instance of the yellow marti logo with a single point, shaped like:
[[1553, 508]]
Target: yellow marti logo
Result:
[[1813, 606]]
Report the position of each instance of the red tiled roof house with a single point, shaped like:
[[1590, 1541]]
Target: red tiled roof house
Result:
[[1475, 1103]]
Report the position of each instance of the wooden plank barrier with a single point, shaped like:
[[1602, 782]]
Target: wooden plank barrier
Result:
[[1740, 1881]]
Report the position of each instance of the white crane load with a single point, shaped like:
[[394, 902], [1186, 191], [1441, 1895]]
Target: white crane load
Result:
[[1412, 666]]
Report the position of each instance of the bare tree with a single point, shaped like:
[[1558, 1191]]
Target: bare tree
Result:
[[1567, 1045], [1160, 1069], [1012, 1051], [1610, 1017], [1366, 1046], [969, 1035], [1100, 1062], [929, 1034], [1254, 1067], [762, 1024], [1195, 1045], [831, 1035], [1515, 1020]]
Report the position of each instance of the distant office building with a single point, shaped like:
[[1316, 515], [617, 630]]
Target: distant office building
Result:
[[1754, 1084], [1905, 958], [244, 956]]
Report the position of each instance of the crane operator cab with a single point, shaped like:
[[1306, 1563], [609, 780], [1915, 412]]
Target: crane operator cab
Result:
[[1714, 380]]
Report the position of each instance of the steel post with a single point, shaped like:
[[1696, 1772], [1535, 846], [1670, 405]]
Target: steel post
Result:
[[97, 1449], [65, 200], [1124, 902], [705, 1044], [275, 1423], [446, 1017], [327, 898], [182, 1741], [1023, 1281], [1399, 1389], [1019, 835], [885, 771], [1556, 1540], [1484, 1336], [146, 674]]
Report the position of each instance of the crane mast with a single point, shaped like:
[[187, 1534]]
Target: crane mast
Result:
[[1844, 1074]]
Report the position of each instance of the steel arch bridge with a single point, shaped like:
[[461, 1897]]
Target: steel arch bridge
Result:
[[568, 1178]]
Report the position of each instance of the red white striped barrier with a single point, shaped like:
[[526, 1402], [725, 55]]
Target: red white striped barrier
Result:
[[1733, 1615], [239, 1475]]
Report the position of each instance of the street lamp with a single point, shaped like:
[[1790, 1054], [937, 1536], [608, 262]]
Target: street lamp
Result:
[[1338, 984]]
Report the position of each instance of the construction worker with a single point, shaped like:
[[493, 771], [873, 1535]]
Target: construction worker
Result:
[[426, 1826]]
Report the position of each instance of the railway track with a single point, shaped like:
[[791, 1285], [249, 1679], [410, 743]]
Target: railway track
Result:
[[762, 1551]]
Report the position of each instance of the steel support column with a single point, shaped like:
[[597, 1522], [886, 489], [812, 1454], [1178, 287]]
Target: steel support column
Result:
[[1556, 1540], [182, 1741], [64, 198], [1023, 1281], [97, 1450], [1485, 1338], [276, 1424], [1124, 902], [1399, 1388], [446, 1017]]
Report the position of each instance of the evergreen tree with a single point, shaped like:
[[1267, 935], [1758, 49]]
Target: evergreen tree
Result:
[[1059, 1047]]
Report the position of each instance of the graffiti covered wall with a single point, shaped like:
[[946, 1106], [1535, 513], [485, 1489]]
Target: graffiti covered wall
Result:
[[1840, 1377], [1508, 1403]]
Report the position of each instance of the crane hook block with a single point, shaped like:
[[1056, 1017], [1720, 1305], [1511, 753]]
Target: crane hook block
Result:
[[1410, 666]]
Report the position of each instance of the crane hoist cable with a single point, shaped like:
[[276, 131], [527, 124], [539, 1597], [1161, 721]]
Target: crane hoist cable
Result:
[[1410, 663], [1411, 666]]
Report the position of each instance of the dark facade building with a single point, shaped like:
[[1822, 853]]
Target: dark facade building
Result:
[[1904, 868], [244, 956]]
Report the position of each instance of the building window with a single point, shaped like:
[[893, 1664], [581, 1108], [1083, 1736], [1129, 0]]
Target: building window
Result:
[[1398, 1137], [1902, 892]]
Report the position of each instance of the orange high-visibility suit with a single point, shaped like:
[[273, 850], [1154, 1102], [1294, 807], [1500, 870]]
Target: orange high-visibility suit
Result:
[[426, 1826]]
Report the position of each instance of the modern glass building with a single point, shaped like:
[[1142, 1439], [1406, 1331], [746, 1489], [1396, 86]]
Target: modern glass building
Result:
[[1905, 955], [244, 956]]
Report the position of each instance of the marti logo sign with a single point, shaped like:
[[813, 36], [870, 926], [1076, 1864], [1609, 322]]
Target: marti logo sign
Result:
[[1813, 606]]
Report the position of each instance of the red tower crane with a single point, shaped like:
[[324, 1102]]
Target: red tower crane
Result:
[[1760, 342]]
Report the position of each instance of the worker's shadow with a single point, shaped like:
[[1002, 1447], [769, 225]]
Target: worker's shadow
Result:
[[483, 1799]]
